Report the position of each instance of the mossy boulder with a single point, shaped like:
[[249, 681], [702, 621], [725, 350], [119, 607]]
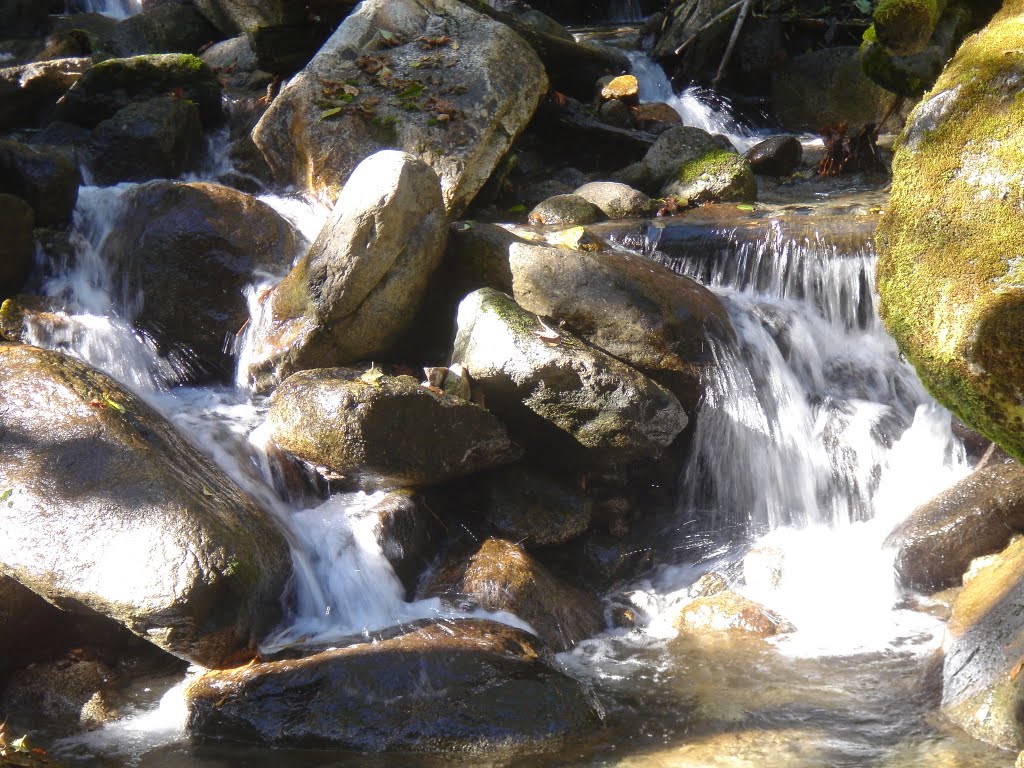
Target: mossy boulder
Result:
[[718, 176], [905, 26], [950, 273], [112, 85], [565, 210], [673, 149]]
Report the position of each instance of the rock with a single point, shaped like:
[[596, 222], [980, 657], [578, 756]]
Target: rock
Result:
[[730, 612], [29, 91], [827, 87], [111, 511], [23, 17], [384, 431], [192, 248], [27, 623], [541, 22], [710, 584], [17, 248], [976, 517], [905, 26], [981, 690], [615, 113], [673, 149], [564, 400], [623, 88], [500, 576], [235, 54], [458, 110], [701, 59], [616, 201], [909, 76], [716, 176], [533, 508], [655, 116], [565, 210], [112, 85], [408, 534], [462, 686], [284, 50], [151, 139], [233, 17], [44, 177], [359, 287], [171, 27], [67, 691], [777, 156], [639, 312], [948, 280]]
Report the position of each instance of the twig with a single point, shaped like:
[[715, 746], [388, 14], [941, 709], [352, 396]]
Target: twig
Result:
[[732, 42], [718, 18]]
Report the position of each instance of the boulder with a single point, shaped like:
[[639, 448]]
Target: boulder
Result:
[[976, 517], [949, 277], [717, 176], [358, 288], [615, 113], [191, 248], [729, 612], [233, 54], [236, 16], [616, 201], [433, 78], [29, 91], [466, 686], [23, 17], [380, 431], [905, 26], [69, 692], [44, 177], [170, 27], [27, 625], [17, 248], [109, 510], [565, 210], [655, 116], [541, 22], [501, 576], [624, 88], [151, 139], [408, 533], [673, 149], [777, 156], [113, 84], [566, 401]]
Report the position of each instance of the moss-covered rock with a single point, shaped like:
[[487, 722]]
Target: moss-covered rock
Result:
[[718, 176], [565, 210], [951, 272], [904, 26]]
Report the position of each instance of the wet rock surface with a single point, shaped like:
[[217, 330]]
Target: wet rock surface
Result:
[[44, 177]]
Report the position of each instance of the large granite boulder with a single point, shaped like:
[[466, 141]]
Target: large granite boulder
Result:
[[949, 273], [107, 509], [191, 249], [29, 91], [359, 287], [462, 686], [379, 431], [433, 78], [565, 400], [46, 178]]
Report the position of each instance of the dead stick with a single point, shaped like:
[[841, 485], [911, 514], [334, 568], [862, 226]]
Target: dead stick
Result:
[[732, 42], [711, 23]]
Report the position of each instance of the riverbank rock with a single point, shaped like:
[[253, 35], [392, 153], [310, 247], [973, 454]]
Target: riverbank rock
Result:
[[615, 200], [112, 85], [108, 510], [358, 288], [165, 27], [44, 177], [382, 431], [191, 248], [30, 91], [501, 576], [564, 400], [949, 276], [976, 517], [462, 686], [433, 78], [17, 248]]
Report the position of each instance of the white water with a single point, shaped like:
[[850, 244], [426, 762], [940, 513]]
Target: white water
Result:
[[116, 9]]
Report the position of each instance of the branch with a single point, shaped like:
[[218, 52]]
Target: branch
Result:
[[711, 23], [732, 42]]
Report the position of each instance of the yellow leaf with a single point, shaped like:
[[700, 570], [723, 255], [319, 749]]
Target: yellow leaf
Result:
[[373, 375], [114, 404], [567, 238]]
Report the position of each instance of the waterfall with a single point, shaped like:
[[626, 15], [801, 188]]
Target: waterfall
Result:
[[117, 9], [625, 11]]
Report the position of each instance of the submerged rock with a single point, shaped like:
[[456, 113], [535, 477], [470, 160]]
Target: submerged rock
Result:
[[107, 509], [433, 78], [463, 686]]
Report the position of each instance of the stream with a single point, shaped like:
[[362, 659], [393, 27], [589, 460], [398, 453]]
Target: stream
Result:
[[815, 438]]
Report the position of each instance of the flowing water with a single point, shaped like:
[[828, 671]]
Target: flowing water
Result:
[[116, 9], [814, 439]]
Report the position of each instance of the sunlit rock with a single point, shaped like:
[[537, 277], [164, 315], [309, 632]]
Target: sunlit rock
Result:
[[30, 90], [730, 612], [719, 175], [463, 686], [565, 210], [664, 161], [616, 201], [107, 509], [501, 576]]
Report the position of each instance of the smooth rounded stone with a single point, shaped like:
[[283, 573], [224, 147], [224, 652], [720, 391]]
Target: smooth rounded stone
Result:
[[192, 248], [827, 87], [777, 156], [616, 201], [381, 431], [28, 91], [111, 511], [462, 127], [235, 54], [534, 508], [655, 117], [408, 533], [566, 401], [541, 22], [65, 692], [17, 247], [565, 210], [113, 84], [625, 88], [151, 139], [44, 177], [977, 516], [730, 612], [948, 278], [982, 690], [642, 313], [673, 149], [501, 576], [615, 112], [466, 686], [719, 176], [360, 285]]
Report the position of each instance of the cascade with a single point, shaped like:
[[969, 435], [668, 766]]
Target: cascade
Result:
[[117, 9]]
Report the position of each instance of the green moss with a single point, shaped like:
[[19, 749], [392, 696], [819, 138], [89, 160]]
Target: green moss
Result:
[[905, 26], [894, 73]]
